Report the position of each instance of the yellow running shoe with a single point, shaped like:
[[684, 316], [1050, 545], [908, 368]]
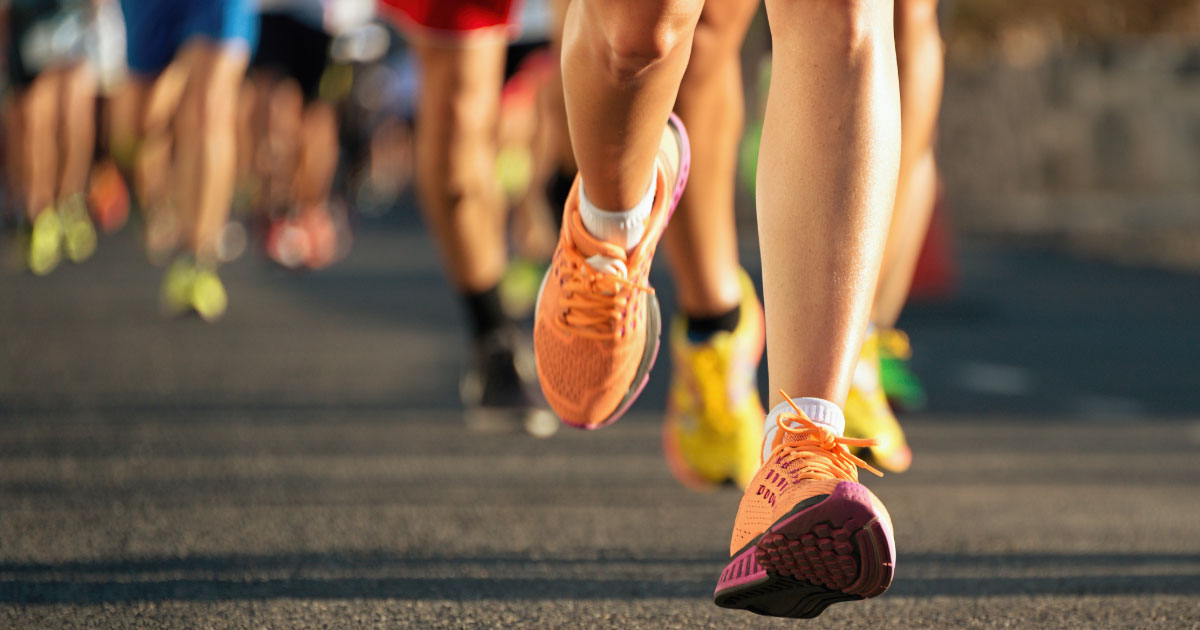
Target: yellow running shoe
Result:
[[79, 235], [713, 429], [208, 295], [175, 296], [868, 414], [45, 242]]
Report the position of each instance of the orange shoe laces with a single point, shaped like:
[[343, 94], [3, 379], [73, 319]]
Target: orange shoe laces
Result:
[[595, 303], [820, 453]]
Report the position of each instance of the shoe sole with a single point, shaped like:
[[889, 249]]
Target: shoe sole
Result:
[[835, 550], [653, 313]]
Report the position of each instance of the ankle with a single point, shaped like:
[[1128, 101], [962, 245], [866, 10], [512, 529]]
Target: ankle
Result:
[[623, 228]]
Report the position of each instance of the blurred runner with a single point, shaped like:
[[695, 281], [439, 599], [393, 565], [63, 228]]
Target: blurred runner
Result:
[[52, 126], [188, 58], [920, 56], [294, 135], [460, 47]]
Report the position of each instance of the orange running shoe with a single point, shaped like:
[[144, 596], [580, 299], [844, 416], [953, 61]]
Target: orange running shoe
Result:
[[807, 534], [597, 323]]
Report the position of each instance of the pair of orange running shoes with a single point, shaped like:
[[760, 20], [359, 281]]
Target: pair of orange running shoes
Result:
[[807, 534]]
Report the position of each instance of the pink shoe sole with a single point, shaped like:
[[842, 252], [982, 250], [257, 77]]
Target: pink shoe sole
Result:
[[837, 549]]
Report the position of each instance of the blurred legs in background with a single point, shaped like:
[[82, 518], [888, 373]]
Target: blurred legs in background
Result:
[[920, 54], [882, 373], [54, 128], [292, 137], [188, 122], [713, 424], [462, 70]]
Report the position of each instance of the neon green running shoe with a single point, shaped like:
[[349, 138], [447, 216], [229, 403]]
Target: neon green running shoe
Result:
[[45, 242], [519, 286], [902, 387], [713, 429], [79, 235], [176, 293], [208, 295], [868, 415]]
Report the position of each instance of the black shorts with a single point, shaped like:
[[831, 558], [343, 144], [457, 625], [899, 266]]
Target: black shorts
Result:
[[294, 49]]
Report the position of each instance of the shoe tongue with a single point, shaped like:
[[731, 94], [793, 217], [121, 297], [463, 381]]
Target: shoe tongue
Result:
[[589, 245]]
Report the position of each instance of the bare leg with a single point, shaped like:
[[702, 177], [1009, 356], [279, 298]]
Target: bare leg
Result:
[[205, 150], [151, 107], [826, 184], [456, 156], [318, 154], [919, 53], [623, 62], [78, 124], [702, 237], [40, 113], [285, 109]]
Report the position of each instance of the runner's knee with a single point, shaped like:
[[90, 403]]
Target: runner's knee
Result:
[[639, 34]]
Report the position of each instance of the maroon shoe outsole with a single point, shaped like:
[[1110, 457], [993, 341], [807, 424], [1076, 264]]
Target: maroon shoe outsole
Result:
[[835, 550]]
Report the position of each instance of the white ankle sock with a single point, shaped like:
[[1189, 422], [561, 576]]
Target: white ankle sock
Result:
[[820, 411], [624, 228]]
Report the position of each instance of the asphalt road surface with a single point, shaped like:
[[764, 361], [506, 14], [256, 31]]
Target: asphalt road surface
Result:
[[302, 464]]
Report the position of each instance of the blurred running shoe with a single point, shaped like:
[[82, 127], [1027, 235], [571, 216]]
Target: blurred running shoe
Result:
[[596, 329], [176, 292], [188, 286], [79, 235], [208, 295], [499, 389], [807, 534], [287, 242], [902, 387], [45, 242], [519, 286], [713, 429], [868, 415], [322, 235], [108, 197]]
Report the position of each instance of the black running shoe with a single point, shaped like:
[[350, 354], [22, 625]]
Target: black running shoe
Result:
[[500, 391]]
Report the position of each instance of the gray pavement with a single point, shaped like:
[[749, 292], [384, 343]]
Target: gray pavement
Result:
[[302, 463]]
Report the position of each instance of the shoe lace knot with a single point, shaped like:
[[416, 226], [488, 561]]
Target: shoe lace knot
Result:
[[598, 295], [810, 451]]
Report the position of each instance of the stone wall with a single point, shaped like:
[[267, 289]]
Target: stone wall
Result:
[[1096, 146]]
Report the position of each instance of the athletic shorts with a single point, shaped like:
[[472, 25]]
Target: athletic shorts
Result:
[[44, 34], [293, 48], [156, 29], [450, 17]]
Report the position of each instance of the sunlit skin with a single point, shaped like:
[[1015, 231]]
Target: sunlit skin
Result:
[[919, 54], [205, 153], [455, 146], [57, 110], [701, 240], [827, 166]]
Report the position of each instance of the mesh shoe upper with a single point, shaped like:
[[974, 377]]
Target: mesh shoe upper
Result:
[[590, 332], [806, 461]]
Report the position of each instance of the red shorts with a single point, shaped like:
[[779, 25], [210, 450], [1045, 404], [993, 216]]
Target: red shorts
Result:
[[449, 17]]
